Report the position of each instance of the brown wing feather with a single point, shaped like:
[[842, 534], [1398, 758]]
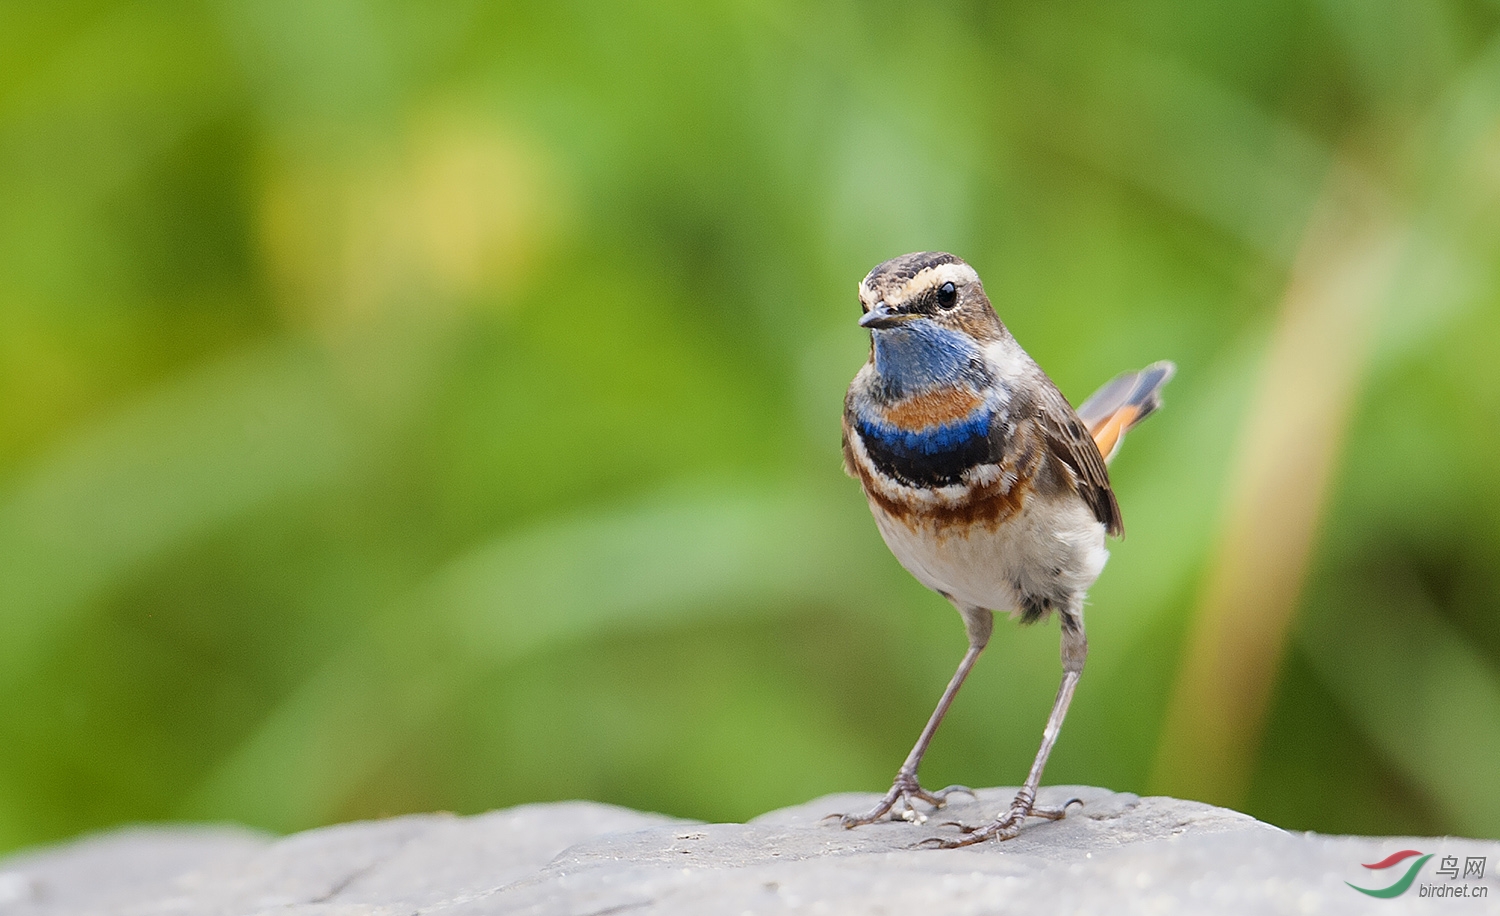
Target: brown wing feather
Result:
[[1069, 442]]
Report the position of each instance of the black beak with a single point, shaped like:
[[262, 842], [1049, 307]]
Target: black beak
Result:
[[883, 316]]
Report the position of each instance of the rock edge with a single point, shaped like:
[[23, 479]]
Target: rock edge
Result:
[[1117, 853]]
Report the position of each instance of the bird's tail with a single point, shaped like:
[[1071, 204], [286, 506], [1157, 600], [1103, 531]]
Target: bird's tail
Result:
[[1126, 400]]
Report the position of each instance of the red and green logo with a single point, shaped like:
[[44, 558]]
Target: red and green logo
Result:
[[1404, 882]]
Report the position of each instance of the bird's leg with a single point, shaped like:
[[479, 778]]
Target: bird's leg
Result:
[[1075, 649], [905, 788], [979, 624]]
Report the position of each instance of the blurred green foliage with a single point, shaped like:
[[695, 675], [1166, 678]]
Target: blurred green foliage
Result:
[[435, 406]]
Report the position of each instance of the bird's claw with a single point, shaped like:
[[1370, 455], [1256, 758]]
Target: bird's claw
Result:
[[898, 803], [1005, 827], [943, 793]]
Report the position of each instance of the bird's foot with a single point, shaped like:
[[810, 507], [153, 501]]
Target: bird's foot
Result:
[[1005, 827], [898, 802]]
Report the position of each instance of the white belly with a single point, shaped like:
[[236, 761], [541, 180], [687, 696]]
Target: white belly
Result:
[[1048, 547]]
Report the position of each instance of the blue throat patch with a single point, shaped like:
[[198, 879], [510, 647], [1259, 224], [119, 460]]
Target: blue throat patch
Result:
[[912, 359], [920, 355]]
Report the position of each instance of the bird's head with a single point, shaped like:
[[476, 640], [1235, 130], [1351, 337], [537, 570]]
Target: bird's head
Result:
[[928, 318], [928, 286]]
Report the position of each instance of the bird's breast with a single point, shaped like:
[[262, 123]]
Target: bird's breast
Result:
[[929, 439], [941, 460], [932, 409]]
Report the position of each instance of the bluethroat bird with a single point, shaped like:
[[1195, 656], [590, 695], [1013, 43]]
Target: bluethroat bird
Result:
[[983, 481]]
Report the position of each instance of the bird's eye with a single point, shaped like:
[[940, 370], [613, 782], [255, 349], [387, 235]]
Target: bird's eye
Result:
[[947, 295]]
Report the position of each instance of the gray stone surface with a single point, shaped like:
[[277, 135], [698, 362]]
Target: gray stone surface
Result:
[[1116, 854]]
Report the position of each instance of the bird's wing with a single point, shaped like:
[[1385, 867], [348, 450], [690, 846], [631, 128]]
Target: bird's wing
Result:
[[1069, 441]]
